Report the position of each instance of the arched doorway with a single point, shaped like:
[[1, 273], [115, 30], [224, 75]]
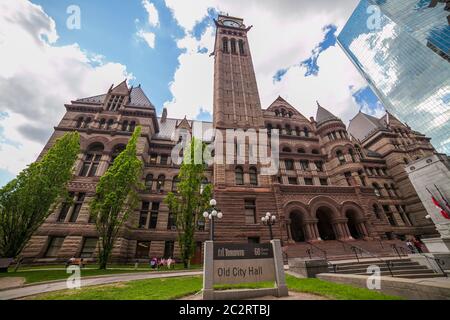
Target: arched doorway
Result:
[[352, 224], [297, 223], [326, 231]]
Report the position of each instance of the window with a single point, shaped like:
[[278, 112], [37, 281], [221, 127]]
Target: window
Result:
[[92, 161], [169, 247], [405, 160], [53, 247], [323, 182], [125, 126], [286, 149], [362, 178], [225, 45], [171, 222], [348, 178], [149, 181], [289, 164], [352, 155], [394, 190], [389, 215], [65, 207], [109, 124], [306, 131], [154, 215], [77, 207], [163, 159], [102, 124], [253, 240], [301, 150], [377, 212], [376, 189], [160, 183], [175, 182], [292, 180], [201, 224], [233, 46], [315, 151], [89, 246], [319, 165], [241, 47], [253, 176], [132, 126], [250, 212], [359, 152], [144, 214], [116, 151], [87, 122], [143, 249], [239, 173], [153, 158], [304, 164], [114, 103], [79, 122], [340, 157], [309, 182]]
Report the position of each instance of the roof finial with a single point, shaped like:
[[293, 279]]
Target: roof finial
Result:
[[318, 104]]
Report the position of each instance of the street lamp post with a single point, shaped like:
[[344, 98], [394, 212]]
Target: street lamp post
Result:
[[212, 214], [269, 220]]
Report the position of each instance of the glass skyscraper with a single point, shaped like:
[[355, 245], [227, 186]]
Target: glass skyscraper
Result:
[[402, 48]]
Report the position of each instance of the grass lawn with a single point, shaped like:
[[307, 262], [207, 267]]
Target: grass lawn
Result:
[[45, 273], [173, 288]]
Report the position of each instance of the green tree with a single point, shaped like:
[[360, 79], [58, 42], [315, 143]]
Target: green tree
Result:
[[190, 200], [27, 201], [116, 197]]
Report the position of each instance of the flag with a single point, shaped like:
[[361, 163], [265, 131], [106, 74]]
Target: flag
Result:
[[437, 204]]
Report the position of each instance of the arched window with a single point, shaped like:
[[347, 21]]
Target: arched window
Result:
[[290, 114], [102, 123], [233, 46], [405, 160], [132, 126], [297, 131], [79, 122], [394, 190], [352, 155], [289, 164], [359, 152], [277, 113], [149, 182], [306, 131], [301, 150], [315, 151], [283, 113], [109, 124], [340, 157], [175, 182], [92, 160], [377, 189], [241, 47], [388, 189], [253, 176], [125, 126], [377, 212], [225, 45], [116, 151], [361, 177], [286, 149], [87, 122], [160, 183], [288, 130], [239, 173]]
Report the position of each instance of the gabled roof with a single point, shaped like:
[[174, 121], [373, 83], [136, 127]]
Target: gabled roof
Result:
[[324, 115], [138, 98], [362, 125], [281, 102], [169, 127]]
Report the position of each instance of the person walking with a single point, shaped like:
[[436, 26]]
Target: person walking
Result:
[[410, 246], [418, 245]]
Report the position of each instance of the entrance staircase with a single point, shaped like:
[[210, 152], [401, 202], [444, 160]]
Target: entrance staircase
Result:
[[354, 257]]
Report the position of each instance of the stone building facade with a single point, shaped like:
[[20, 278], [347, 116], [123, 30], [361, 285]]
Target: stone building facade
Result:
[[333, 184]]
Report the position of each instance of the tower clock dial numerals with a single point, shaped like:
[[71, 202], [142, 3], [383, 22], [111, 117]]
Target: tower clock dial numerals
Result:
[[231, 23]]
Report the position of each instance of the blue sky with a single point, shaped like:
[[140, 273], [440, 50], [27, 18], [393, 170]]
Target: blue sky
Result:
[[172, 65]]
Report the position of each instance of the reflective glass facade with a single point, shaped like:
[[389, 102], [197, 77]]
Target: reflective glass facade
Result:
[[402, 48]]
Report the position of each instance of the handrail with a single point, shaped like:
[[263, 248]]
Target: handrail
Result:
[[356, 248], [324, 252]]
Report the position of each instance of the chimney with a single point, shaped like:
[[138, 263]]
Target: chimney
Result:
[[164, 115]]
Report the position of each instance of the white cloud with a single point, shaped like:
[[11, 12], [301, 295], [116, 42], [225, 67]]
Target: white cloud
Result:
[[283, 34], [153, 16], [37, 78], [148, 37]]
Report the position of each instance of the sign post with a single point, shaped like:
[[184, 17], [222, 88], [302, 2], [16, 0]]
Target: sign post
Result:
[[233, 263]]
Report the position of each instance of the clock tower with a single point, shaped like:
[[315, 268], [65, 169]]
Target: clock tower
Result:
[[236, 97]]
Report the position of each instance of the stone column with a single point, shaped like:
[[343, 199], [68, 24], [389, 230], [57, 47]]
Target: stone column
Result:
[[307, 232]]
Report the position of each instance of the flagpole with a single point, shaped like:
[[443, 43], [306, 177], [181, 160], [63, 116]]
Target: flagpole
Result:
[[443, 198]]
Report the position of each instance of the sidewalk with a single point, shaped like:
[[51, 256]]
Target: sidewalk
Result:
[[30, 290]]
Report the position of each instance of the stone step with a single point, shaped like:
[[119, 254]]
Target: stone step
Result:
[[382, 268]]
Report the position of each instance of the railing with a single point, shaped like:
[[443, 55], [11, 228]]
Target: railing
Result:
[[360, 250], [310, 251], [438, 262]]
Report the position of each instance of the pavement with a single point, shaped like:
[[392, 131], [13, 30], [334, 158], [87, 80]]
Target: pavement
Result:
[[292, 296], [30, 290]]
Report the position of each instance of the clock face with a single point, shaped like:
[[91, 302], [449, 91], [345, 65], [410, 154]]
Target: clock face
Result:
[[231, 23]]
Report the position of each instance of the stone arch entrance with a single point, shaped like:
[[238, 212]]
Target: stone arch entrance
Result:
[[297, 226], [355, 224], [325, 216]]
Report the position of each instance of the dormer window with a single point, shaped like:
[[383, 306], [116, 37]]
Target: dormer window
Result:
[[114, 103]]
